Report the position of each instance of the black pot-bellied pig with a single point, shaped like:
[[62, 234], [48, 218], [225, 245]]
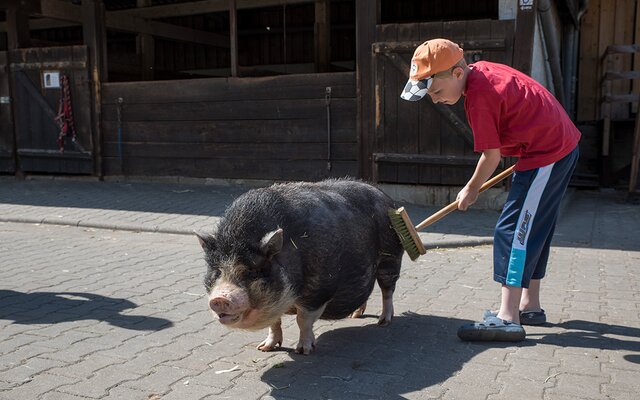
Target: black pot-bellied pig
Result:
[[311, 249]]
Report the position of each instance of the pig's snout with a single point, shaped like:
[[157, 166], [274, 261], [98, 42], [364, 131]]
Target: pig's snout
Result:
[[229, 303], [220, 305]]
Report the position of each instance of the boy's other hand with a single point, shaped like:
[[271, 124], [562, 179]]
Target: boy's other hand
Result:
[[466, 197]]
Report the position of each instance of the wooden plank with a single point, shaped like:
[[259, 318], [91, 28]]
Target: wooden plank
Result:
[[232, 169], [145, 49], [635, 157], [199, 7], [523, 41], [408, 121], [17, 28], [322, 35], [234, 131], [430, 122], [426, 159], [636, 56], [233, 34], [409, 46], [367, 14], [387, 106], [235, 151], [589, 61], [621, 98], [81, 98], [218, 89], [623, 18], [94, 33], [7, 139], [231, 110], [454, 134]]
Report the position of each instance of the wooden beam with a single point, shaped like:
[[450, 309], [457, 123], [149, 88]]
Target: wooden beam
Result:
[[367, 14], [201, 7], [95, 38], [17, 28], [233, 34], [525, 32], [322, 35], [145, 49]]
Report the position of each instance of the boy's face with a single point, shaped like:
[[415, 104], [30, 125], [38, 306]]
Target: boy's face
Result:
[[447, 86]]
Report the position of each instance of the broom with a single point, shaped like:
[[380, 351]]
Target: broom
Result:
[[408, 234]]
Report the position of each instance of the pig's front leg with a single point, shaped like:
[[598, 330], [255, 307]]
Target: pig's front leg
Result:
[[305, 319], [274, 338]]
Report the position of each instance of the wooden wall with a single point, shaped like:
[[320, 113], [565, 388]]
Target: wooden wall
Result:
[[271, 128], [604, 23]]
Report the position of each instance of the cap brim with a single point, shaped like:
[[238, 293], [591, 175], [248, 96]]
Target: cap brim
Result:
[[415, 90]]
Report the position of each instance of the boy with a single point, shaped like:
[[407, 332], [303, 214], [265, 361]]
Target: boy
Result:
[[510, 114]]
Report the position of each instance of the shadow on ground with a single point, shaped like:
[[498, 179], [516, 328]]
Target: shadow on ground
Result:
[[593, 335], [56, 307], [413, 353], [416, 353]]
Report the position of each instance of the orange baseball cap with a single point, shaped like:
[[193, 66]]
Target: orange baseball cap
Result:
[[431, 57]]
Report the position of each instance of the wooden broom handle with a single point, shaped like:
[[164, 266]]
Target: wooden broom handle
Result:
[[454, 206]]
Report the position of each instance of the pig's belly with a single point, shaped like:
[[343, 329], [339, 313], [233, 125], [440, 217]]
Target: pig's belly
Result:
[[342, 305]]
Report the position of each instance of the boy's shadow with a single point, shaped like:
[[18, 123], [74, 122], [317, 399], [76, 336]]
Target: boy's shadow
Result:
[[56, 307], [594, 335]]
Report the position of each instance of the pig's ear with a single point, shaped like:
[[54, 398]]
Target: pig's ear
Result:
[[206, 241], [271, 243]]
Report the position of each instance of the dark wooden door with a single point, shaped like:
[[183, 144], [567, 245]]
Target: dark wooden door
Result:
[[7, 162], [421, 142], [36, 107]]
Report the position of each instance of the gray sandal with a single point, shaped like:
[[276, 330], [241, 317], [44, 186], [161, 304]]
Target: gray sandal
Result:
[[492, 329], [526, 317]]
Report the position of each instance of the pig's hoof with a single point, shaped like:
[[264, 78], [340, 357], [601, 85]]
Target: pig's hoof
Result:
[[384, 321], [359, 312], [268, 344], [305, 348]]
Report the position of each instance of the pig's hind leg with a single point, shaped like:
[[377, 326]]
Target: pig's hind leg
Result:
[[388, 274], [306, 319], [274, 339]]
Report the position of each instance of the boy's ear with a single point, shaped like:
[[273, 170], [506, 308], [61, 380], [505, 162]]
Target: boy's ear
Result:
[[458, 72]]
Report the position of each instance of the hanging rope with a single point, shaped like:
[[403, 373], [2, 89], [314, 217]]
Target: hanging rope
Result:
[[65, 113]]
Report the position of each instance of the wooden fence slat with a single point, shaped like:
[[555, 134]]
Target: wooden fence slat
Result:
[[233, 151]]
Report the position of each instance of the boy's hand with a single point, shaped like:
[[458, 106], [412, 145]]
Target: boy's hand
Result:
[[466, 197]]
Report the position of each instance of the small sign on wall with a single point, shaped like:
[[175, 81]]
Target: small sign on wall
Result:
[[526, 5], [51, 79]]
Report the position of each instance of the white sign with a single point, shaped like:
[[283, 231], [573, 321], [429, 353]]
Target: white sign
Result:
[[51, 79], [526, 4]]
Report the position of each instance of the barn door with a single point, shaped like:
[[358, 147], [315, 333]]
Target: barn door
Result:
[[38, 77], [422, 142], [7, 162]]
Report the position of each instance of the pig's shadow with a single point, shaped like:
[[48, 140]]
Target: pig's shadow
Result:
[[57, 307], [413, 353]]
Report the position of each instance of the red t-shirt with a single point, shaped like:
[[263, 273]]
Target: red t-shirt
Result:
[[510, 111]]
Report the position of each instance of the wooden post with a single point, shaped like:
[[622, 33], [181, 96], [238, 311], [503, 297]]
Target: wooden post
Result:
[[17, 27], [635, 157], [94, 32], [233, 34], [145, 47], [367, 14], [525, 32], [322, 36]]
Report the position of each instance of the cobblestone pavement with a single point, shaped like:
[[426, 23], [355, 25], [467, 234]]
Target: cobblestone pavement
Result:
[[89, 313]]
